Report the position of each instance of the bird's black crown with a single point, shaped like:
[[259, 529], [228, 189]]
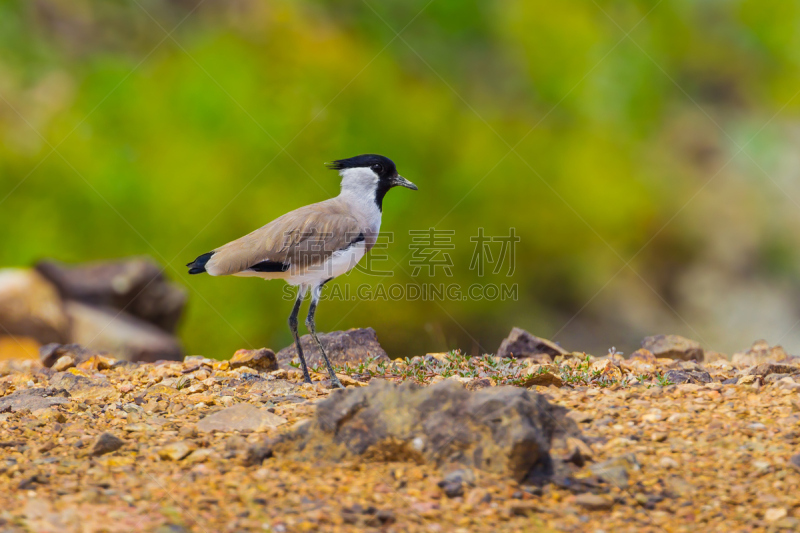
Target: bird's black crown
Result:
[[382, 166]]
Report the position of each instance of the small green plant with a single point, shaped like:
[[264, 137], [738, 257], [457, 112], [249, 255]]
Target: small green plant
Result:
[[182, 382], [663, 380]]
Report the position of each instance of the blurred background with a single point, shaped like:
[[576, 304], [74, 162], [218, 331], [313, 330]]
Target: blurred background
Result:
[[645, 153]]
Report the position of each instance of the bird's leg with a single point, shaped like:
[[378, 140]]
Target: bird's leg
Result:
[[315, 293], [301, 293]]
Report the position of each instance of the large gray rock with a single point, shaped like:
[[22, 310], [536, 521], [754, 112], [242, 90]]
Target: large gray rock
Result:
[[351, 346], [33, 399], [521, 344], [136, 285], [673, 347], [121, 335], [506, 430], [30, 307]]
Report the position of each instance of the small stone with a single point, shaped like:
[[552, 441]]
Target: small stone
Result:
[[668, 462], [199, 456], [347, 381], [673, 347], [64, 362], [106, 443], [520, 343], [655, 415], [139, 427], [795, 462], [765, 369], [615, 471], [263, 360], [581, 416], [240, 417], [33, 399], [775, 513], [658, 437], [177, 450], [584, 449], [525, 508], [160, 390], [279, 374], [478, 496], [594, 502], [546, 379], [49, 415], [761, 467], [478, 384], [683, 376], [188, 431]]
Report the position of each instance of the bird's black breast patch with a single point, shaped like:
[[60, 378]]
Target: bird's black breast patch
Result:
[[270, 266]]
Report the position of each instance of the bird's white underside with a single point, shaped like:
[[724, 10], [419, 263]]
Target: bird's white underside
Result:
[[337, 264]]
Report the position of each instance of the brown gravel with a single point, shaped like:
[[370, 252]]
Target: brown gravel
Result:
[[693, 456]]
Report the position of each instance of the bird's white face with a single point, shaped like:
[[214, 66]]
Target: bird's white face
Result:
[[359, 182], [367, 178]]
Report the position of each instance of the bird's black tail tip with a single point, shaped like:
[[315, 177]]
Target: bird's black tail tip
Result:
[[198, 266]]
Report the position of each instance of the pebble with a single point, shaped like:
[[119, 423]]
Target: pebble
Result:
[[668, 462], [106, 443], [774, 513], [240, 417], [594, 502], [64, 362], [177, 450]]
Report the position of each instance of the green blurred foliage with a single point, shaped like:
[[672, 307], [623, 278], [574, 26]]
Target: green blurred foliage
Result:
[[169, 128]]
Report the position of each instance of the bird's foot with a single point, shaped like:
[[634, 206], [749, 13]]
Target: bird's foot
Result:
[[335, 382]]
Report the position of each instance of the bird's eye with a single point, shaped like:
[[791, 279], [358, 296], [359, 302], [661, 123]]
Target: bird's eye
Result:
[[377, 168]]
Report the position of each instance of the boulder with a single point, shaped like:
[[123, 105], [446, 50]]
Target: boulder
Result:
[[136, 285], [351, 346], [521, 344], [673, 347], [506, 430], [30, 307], [124, 336]]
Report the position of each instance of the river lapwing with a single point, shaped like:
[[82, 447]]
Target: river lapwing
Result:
[[311, 245]]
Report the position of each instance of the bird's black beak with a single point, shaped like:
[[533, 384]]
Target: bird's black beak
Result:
[[402, 182]]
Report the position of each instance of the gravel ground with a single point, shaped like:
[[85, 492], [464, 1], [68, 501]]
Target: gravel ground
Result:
[[157, 447]]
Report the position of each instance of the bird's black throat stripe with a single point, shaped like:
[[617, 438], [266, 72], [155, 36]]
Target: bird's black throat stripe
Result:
[[380, 191]]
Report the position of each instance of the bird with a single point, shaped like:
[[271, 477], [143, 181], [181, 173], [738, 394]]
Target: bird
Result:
[[311, 245]]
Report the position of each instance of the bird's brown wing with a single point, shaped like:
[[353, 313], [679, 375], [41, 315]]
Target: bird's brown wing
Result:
[[294, 242]]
